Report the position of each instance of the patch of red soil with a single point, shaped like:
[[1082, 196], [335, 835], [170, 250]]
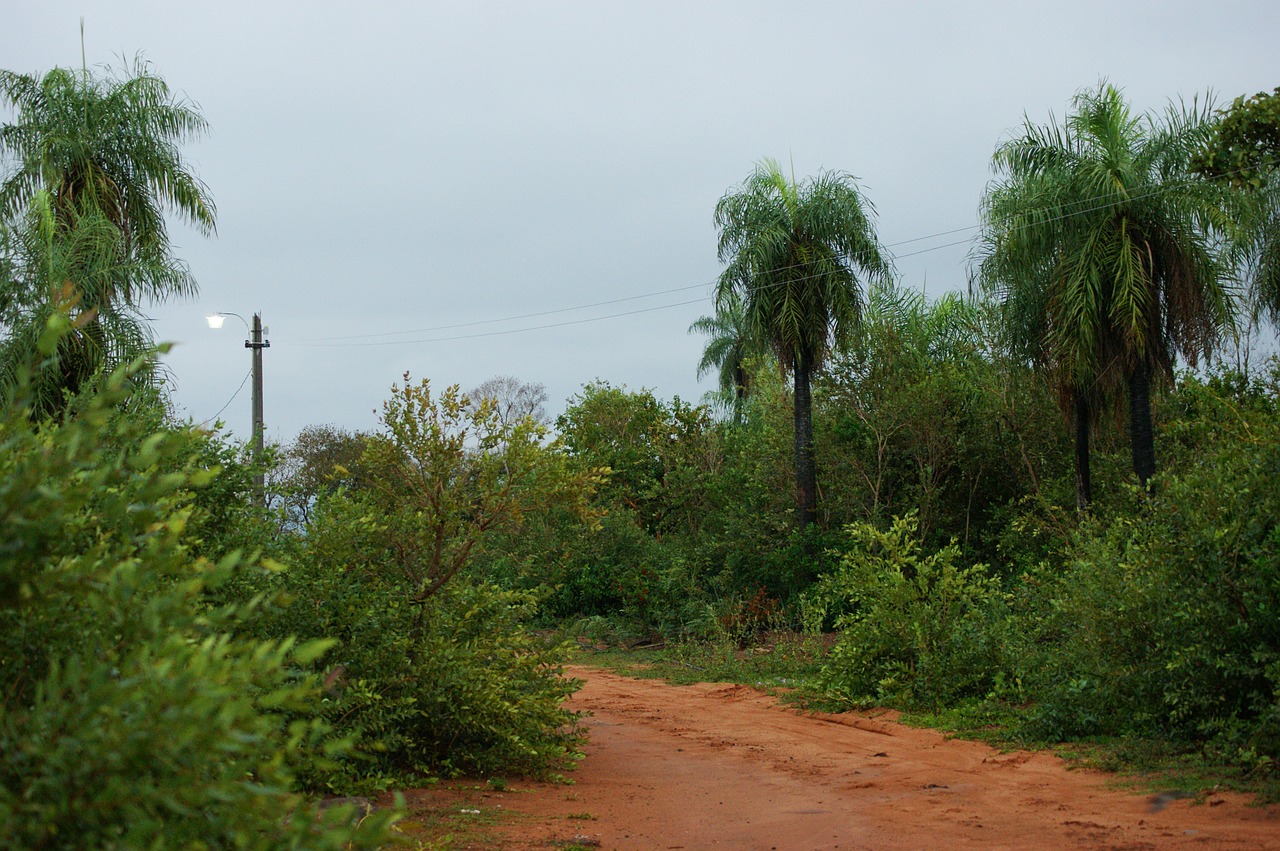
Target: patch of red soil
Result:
[[720, 766]]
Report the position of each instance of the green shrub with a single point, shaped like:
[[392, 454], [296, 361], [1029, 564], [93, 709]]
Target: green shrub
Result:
[[132, 714], [436, 670], [914, 629], [168, 746], [1169, 620], [453, 683]]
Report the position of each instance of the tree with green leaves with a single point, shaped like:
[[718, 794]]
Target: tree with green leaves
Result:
[[1105, 251], [1245, 146], [730, 345], [446, 471], [91, 165], [907, 422], [1245, 151], [71, 273], [138, 711], [110, 142], [795, 252]]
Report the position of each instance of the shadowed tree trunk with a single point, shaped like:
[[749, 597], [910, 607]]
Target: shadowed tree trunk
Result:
[[1084, 486], [1141, 436], [806, 475]]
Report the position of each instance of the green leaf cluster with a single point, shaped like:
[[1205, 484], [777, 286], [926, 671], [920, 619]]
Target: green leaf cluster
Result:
[[915, 629], [135, 711], [91, 165], [1166, 621], [1245, 146], [435, 669]]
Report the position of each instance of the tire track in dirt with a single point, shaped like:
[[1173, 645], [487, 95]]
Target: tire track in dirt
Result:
[[721, 766]]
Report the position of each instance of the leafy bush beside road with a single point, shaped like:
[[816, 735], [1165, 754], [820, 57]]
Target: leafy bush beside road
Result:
[[135, 712]]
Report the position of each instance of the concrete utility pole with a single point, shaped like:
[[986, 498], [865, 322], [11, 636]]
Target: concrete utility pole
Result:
[[258, 344]]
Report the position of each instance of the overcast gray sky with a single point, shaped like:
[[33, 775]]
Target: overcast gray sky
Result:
[[384, 167]]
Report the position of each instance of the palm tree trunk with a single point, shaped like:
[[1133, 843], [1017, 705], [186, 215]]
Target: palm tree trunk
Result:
[[1084, 485], [806, 475], [1141, 436]]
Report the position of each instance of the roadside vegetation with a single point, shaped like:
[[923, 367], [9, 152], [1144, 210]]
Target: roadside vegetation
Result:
[[1044, 511]]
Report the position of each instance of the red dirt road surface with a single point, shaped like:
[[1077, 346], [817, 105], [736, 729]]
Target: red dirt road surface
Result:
[[719, 766]]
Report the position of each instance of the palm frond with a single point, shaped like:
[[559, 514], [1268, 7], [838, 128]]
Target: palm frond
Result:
[[1097, 222]]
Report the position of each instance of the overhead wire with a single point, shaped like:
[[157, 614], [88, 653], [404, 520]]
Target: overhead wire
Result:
[[363, 340], [511, 330], [229, 401], [374, 338], [328, 341], [512, 318]]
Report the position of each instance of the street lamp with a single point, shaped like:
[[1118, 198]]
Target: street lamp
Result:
[[257, 344]]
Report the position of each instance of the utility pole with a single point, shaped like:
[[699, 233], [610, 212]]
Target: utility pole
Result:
[[258, 344]]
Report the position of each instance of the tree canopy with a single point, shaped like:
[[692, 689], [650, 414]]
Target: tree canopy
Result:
[[91, 165], [110, 141], [1105, 251], [795, 252], [1245, 145]]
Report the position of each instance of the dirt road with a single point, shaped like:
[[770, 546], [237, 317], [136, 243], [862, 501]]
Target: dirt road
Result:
[[724, 767]]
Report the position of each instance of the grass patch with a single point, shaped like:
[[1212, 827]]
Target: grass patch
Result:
[[1141, 764], [453, 815], [784, 664]]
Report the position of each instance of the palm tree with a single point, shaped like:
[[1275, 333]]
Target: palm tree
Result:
[[730, 346], [92, 165], [64, 278], [1106, 253], [794, 252], [108, 142]]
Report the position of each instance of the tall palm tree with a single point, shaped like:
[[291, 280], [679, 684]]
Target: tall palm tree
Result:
[[1106, 252], [109, 142], [730, 345], [91, 164], [794, 253]]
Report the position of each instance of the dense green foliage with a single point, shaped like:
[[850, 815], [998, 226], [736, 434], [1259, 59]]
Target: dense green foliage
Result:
[[1107, 256], [956, 569], [180, 663], [111, 141], [435, 668], [914, 629], [952, 564], [1165, 616], [70, 268], [135, 714], [167, 680], [1245, 147], [1245, 152]]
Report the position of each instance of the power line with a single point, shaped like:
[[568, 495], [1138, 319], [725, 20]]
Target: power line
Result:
[[511, 330], [510, 318], [328, 342], [229, 401], [608, 302], [345, 341]]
